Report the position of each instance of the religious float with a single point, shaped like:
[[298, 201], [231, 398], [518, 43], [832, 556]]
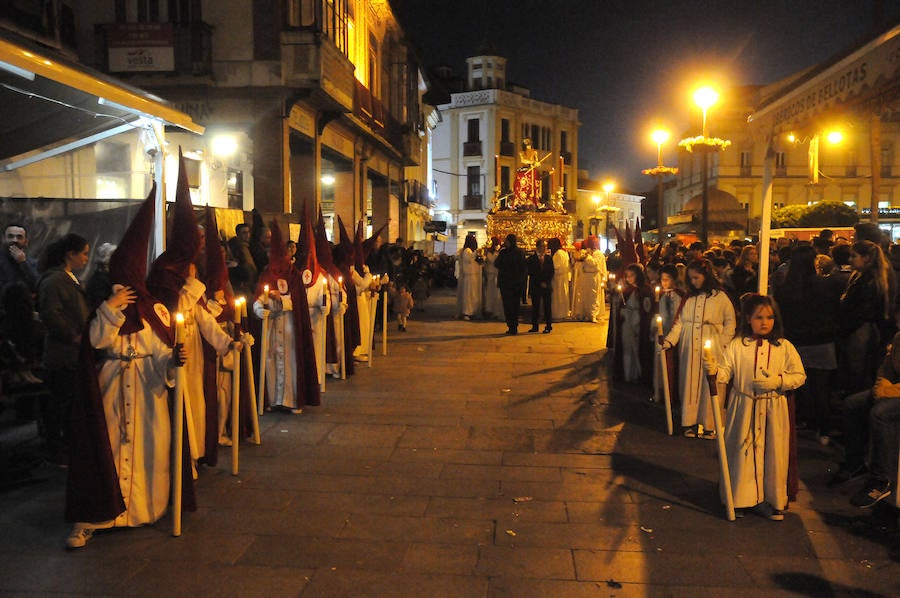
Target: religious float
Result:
[[523, 211]]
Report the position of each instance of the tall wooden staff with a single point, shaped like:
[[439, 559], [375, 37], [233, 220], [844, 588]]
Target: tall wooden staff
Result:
[[236, 391], [724, 474], [251, 383], [178, 427], [373, 309], [339, 331], [320, 350], [263, 352], [384, 315], [664, 374]]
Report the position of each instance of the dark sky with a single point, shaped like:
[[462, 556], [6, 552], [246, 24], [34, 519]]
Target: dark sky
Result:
[[629, 64]]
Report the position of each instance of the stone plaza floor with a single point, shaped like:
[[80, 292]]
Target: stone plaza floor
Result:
[[465, 463]]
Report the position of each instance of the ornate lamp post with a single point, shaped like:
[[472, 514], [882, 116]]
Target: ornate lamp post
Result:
[[659, 171], [704, 97]]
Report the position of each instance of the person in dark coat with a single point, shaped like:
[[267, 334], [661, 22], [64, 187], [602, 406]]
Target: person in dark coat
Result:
[[540, 274], [511, 273], [64, 312]]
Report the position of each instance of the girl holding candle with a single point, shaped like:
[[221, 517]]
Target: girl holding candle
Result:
[[668, 303], [762, 366], [633, 360], [706, 313]]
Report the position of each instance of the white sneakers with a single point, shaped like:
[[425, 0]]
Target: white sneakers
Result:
[[79, 536]]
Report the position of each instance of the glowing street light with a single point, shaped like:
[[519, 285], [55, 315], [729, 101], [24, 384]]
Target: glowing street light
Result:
[[660, 136], [705, 97]]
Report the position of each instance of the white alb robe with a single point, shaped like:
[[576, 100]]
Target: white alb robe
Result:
[[361, 286], [702, 318], [281, 358], [199, 324], [560, 285], [598, 311], [468, 292], [135, 402], [318, 315], [339, 299], [757, 427]]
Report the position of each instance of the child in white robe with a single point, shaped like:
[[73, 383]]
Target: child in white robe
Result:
[[762, 367]]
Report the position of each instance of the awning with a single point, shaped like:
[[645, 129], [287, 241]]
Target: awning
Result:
[[51, 104]]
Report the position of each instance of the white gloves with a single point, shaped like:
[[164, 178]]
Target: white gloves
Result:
[[766, 384], [247, 339]]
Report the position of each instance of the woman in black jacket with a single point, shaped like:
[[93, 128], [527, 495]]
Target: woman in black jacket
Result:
[[809, 307]]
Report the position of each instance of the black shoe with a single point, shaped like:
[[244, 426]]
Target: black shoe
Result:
[[533, 329], [511, 331], [873, 492], [547, 329], [845, 474]]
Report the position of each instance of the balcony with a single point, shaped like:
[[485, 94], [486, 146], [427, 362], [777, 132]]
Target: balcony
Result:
[[472, 148], [311, 62], [141, 48], [507, 148], [473, 202]]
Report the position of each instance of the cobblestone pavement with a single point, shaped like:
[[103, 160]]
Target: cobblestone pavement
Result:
[[465, 463]]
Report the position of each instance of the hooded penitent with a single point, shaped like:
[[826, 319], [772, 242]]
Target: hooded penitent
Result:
[[280, 268], [323, 248], [169, 271]]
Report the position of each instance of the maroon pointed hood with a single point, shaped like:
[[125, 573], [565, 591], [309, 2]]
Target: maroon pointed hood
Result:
[[639, 242], [279, 265], [307, 259], [216, 268], [323, 248], [169, 271], [128, 267]]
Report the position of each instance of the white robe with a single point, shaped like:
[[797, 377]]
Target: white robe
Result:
[[317, 317], [598, 311], [136, 406], [338, 298], [701, 318], [361, 286], [468, 292], [560, 285], [199, 324], [757, 427], [493, 303], [281, 358]]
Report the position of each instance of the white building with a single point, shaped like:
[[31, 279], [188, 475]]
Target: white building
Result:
[[476, 144]]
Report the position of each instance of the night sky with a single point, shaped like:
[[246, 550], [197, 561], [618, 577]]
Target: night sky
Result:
[[630, 65]]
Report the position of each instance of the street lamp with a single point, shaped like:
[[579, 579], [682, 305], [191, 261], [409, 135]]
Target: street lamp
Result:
[[660, 136], [705, 97]]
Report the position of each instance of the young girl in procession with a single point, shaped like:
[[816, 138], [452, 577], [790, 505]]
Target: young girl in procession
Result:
[[670, 298], [635, 340], [706, 313], [762, 367]]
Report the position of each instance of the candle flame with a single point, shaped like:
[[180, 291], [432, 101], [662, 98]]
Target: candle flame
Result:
[[265, 288], [179, 317], [341, 279], [707, 344], [659, 318]]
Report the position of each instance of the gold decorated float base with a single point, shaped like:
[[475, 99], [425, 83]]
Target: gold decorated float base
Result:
[[529, 226]]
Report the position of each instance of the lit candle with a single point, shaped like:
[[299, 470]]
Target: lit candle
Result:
[[657, 293], [324, 292], [243, 307], [621, 294], [659, 328], [179, 328], [237, 310], [265, 300], [340, 289], [612, 278], [707, 349]]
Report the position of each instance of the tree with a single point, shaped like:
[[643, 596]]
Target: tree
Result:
[[819, 215]]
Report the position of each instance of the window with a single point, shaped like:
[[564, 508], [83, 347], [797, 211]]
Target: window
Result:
[[148, 11], [476, 83], [887, 160], [745, 164], [850, 168], [780, 167], [473, 180], [504, 180], [474, 134], [504, 129], [563, 142], [536, 136]]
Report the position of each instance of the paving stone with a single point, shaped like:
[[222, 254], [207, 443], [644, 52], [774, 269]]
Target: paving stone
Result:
[[523, 562]]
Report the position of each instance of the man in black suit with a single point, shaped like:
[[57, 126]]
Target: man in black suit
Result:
[[511, 272], [540, 273]]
